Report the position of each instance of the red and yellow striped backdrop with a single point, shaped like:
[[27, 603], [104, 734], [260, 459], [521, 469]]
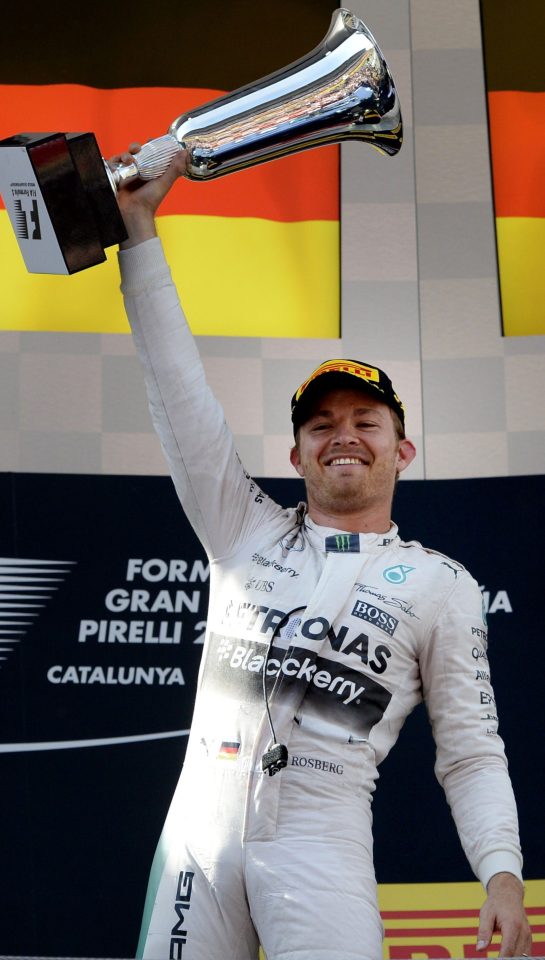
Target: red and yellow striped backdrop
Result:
[[515, 74], [255, 253]]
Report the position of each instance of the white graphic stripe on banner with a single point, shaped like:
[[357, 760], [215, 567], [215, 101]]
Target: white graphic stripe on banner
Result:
[[78, 744]]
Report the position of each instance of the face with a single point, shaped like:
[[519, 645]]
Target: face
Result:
[[349, 455]]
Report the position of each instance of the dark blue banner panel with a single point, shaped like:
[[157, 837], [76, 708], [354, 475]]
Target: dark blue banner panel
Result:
[[103, 598]]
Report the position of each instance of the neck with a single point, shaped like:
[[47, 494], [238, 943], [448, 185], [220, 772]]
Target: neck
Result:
[[371, 521]]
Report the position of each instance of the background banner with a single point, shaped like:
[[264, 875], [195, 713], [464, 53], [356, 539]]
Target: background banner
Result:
[[273, 228], [515, 80], [103, 597]]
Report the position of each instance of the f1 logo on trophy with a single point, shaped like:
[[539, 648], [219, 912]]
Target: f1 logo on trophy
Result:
[[60, 193]]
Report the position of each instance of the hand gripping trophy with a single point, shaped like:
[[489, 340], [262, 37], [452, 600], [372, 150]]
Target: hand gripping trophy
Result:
[[341, 90]]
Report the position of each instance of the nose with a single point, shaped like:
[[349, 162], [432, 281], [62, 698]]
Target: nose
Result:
[[345, 433]]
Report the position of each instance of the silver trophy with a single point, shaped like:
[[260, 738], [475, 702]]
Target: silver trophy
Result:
[[341, 90]]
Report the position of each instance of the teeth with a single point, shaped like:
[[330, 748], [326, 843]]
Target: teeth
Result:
[[342, 460]]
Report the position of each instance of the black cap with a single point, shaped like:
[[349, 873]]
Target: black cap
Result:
[[344, 373]]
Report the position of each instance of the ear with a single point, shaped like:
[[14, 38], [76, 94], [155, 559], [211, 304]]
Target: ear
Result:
[[295, 460], [405, 454]]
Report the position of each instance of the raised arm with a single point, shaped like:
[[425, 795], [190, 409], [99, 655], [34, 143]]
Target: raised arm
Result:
[[221, 501]]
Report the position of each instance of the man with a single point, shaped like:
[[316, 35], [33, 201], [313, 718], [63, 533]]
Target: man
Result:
[[303, 689]]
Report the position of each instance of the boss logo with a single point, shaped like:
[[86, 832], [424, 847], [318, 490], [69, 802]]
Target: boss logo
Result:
[[384, 621]]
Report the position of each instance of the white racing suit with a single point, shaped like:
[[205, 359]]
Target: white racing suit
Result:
[[376, 625]]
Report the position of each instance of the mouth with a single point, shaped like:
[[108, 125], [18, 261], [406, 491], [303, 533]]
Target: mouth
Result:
[[347, 461]]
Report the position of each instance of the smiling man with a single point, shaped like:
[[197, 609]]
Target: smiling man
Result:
[[324, 630], [350, 446]]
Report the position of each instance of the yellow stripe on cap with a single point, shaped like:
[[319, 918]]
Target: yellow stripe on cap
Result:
[[341, 366]]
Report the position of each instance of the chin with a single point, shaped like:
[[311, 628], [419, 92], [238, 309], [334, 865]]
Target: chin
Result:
[[346, 503]]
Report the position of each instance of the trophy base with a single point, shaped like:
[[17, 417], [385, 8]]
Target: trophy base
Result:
[[60, 201]]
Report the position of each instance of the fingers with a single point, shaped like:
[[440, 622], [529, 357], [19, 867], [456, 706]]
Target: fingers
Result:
[[510, 947], [516, 937], [516, 940], [139, 199], [126, 157], [486, 927], [177, 167]]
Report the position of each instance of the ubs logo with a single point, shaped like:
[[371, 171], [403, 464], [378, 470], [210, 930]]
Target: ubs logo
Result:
[[260, 586]]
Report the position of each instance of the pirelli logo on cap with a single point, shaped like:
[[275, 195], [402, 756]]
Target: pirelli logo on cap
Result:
[[366, 376], [341, 366]]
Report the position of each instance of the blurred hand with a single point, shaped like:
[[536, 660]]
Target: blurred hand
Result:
[[139, 200]]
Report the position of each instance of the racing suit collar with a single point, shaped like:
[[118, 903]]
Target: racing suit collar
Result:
[[333, 540]]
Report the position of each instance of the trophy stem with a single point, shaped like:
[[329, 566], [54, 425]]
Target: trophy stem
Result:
[[150, 162]]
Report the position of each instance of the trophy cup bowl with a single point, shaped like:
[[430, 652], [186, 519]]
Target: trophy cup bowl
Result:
[[341, 90]]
